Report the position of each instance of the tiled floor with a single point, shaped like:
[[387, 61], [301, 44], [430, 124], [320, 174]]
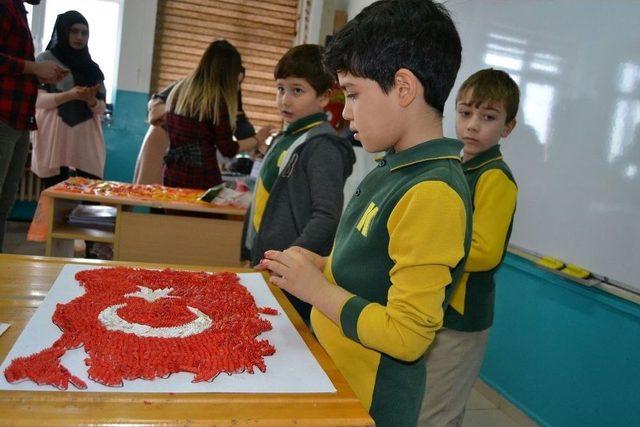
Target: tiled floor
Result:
[[15, 240], [481, 412]]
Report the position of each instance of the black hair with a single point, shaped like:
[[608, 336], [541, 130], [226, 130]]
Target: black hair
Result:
[[388, 35], [305, 62]]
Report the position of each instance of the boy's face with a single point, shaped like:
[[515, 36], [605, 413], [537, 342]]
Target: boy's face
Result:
[[480, 127], [371, 113], [296, 99]]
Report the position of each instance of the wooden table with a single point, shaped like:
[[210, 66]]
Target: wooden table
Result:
[[24, 282], [175, 238]]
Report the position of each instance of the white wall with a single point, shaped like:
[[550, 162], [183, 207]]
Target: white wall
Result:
[[315, 21], [342, 4], [355, 6], [136, 48], [321, 19]]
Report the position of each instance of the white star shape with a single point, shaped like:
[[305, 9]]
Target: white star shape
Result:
[[151, 295]]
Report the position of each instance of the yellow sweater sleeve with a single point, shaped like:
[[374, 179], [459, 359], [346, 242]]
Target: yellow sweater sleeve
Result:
[[426, 239], [494, 204]]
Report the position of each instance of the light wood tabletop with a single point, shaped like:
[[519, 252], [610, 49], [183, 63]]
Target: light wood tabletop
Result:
[[132, 200], [24, 283], [190, 231]]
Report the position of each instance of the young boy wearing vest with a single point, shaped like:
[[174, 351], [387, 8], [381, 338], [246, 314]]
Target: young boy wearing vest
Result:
[[402, 239], [486, 108], [299, 193]]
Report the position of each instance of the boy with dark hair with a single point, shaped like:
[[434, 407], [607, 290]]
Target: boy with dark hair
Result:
[[486, 108], [298, 196], [305, 61], [402, 239]]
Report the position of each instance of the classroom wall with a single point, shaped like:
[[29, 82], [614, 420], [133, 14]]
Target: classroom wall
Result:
[[124, 134], [565, 354], [322, 17], [123, 137], [355, 6], [315, 20]]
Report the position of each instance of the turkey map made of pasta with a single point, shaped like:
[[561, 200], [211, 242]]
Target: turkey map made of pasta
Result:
[[148, 324]]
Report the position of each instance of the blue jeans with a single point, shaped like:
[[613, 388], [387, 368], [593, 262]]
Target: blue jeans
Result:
[[14, 147]]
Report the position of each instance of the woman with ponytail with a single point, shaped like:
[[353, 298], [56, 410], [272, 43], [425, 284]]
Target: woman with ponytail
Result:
[[201, 116]]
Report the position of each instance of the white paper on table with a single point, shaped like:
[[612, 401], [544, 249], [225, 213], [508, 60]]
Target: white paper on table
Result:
[[292, 369], [4, 327]]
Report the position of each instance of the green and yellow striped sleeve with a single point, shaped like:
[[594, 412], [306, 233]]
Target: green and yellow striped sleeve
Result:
[[494, 204], [260, 203], [426, 240]]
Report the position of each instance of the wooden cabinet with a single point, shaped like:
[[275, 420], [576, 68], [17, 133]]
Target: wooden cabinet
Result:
[[188, 234]]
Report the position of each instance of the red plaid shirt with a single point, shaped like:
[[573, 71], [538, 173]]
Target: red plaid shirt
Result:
[[191, 161], [18, 92]]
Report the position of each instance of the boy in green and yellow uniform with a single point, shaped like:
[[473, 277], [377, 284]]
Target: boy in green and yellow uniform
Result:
[[486, 106], [298, 197], [402, 239]]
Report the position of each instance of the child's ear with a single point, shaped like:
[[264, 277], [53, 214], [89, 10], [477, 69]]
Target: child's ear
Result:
[[508, 128], [324, 98], [407, 85]]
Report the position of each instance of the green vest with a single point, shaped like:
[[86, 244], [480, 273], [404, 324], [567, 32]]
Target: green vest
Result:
[[480, 292], [361, 263]]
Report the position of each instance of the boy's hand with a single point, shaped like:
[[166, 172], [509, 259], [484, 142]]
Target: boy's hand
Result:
[[294, 272], [317, 260]]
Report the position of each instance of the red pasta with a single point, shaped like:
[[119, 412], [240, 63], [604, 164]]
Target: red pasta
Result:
[[137, 323], [151, 192]]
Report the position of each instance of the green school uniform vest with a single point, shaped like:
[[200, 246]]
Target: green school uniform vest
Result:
[[274, 159], [480, 291], [390, 388]]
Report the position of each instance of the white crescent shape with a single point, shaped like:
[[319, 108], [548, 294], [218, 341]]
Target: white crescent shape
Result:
[[110, 320]]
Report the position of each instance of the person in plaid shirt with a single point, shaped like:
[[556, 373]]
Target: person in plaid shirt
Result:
[[201, 116], [19, 76]]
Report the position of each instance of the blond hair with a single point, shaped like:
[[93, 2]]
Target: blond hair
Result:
[[212, 86]]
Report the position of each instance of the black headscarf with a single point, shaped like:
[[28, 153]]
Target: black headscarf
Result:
[[84, 70]]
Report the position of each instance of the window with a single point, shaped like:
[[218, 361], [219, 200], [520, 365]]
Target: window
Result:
[[103, 17]]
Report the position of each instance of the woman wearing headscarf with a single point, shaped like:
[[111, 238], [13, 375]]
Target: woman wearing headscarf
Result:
[[68, 113]]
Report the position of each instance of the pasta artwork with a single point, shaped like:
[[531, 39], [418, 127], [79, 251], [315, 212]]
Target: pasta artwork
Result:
[[148, 324]]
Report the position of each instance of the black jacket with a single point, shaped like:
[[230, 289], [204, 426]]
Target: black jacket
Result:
[[305, 202]]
